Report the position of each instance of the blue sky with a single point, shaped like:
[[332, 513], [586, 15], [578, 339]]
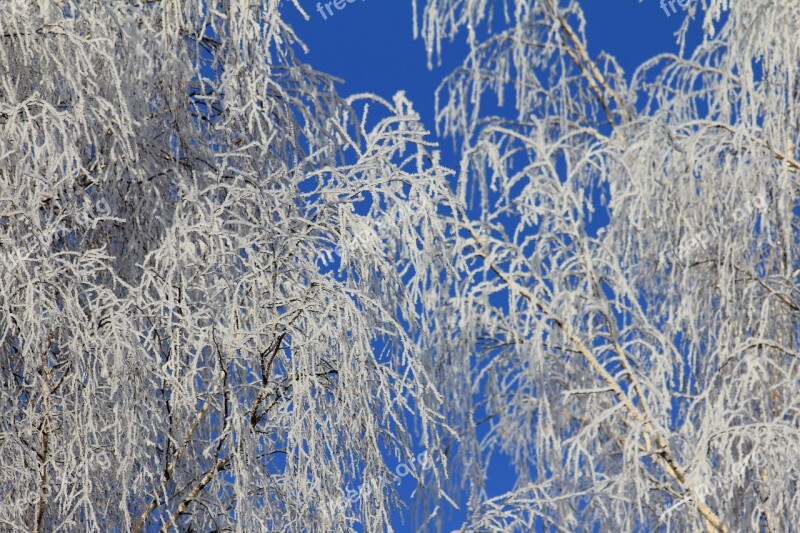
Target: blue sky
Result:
[[369, 44]]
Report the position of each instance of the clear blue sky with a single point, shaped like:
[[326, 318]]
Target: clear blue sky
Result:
[[369, 44]]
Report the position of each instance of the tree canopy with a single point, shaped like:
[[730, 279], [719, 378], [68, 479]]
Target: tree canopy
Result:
[[233, 298]]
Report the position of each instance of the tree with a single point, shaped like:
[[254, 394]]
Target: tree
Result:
[[231, 298], [175, 353], [630, 316]]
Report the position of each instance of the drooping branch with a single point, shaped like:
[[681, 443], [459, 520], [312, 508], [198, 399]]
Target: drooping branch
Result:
[[640, 415]]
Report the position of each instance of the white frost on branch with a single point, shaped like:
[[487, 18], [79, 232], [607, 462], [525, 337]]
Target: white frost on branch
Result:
[[188, 336], [616, 389]]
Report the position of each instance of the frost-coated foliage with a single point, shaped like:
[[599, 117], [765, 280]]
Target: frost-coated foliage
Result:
[[174, 354], [229, 297], [646, 374]]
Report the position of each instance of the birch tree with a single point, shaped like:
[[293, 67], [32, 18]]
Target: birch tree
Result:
[[174, 353], [231, 298], [629, 315]]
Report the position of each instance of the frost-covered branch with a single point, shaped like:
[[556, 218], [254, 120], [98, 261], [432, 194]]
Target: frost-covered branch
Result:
[[190, 333]]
